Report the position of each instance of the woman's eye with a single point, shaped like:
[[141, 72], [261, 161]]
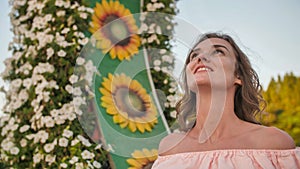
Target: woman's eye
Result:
[[218, 51], [193, 55]]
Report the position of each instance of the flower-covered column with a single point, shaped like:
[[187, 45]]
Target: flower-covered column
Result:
[[48, 120], [39, 128]]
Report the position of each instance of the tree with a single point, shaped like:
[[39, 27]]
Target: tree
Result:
[[283, 102]]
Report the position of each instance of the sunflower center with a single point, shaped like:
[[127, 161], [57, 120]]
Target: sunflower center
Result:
[[117, 30], [130, 102]]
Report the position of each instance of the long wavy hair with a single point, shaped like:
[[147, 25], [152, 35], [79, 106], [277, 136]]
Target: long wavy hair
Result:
[[247, 99]]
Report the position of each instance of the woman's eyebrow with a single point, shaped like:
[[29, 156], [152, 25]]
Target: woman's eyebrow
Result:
[[214, 46], [196, 50], [220, 46]]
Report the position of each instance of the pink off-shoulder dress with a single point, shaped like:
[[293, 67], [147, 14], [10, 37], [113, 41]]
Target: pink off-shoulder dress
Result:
[[231, 159]]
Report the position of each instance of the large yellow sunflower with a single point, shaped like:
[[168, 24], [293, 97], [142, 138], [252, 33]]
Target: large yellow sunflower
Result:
[[118, 30], [128, 102], [142, 159]]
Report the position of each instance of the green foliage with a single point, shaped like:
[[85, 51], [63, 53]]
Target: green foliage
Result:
[[283, 105]]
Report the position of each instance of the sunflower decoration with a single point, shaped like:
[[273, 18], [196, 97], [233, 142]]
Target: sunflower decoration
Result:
[[142, 159], [117, 34], [128, 102]]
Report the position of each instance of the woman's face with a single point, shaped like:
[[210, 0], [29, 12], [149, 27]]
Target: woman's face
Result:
[[212, 63]]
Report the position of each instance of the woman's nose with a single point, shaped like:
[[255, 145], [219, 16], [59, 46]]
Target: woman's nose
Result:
[[203, 58]]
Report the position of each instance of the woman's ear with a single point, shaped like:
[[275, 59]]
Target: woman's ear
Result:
[[238, 81]]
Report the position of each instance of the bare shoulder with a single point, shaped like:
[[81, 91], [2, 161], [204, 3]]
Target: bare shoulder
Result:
[[169, 143], [274, 138]]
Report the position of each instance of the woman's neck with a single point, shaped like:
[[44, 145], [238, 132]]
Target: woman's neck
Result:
[[215, 114]]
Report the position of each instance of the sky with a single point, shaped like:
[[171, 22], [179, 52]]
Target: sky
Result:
[[268, 31], [5, 38]]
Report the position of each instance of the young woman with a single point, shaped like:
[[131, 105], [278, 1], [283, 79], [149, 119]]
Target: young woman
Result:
[[223, 91]]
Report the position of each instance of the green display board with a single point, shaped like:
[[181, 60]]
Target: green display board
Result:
[[129, 116]]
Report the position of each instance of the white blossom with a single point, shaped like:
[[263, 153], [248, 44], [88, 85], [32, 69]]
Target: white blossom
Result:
[[83, 41], [38, 22], [43, 135], [37, 158], [97, 164], [59, 3], [173, 114], [30, 136], [87, 155], [156, 68], [49, 147], [23, 142], [73, 160], [65, 30], [63, 142], [157, 62], [59, 120], [50, 53], [48, 121], [50, 159], [60, 13], [23, 95], [24, 128], [14, 150], [80, 61], [69, 89], [83, 15], [13, 127], [71, 116], [84, 141], [67, 4], [52, 84], [73, 79], [74, 142], [79, 166], [150, 7], [48, 17], [63, 165], [169, 27], [27, 83], [158, 5], [77, 101], [162, 51], [61, 53], [74, 27], [165, 69], [6, 144], [158, 30], [67, 133], [98, 147], [16, 83], [77, 91], [19, 3]]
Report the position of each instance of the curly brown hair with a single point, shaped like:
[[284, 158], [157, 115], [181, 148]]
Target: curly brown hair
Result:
[[247, 99]]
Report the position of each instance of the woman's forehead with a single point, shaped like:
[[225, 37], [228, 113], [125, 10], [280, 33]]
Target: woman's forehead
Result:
[[212, 42]]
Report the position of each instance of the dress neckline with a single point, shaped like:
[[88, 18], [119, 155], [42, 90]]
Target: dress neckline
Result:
[[233, 151]]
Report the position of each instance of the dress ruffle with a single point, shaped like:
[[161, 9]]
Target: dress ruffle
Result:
[[231, 159]]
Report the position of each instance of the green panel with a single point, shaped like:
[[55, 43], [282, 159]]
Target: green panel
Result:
[[123, 141]]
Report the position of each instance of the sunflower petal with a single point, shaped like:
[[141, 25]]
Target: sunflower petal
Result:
[[140, 127], [132, 126], [134, 163], [123, 125]]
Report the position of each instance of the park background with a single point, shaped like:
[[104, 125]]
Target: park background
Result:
[[268, 32]]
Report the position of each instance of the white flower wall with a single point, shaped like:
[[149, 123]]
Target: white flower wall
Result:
[[39, 128]]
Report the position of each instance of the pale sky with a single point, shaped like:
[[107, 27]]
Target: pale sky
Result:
[[268, 30]]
